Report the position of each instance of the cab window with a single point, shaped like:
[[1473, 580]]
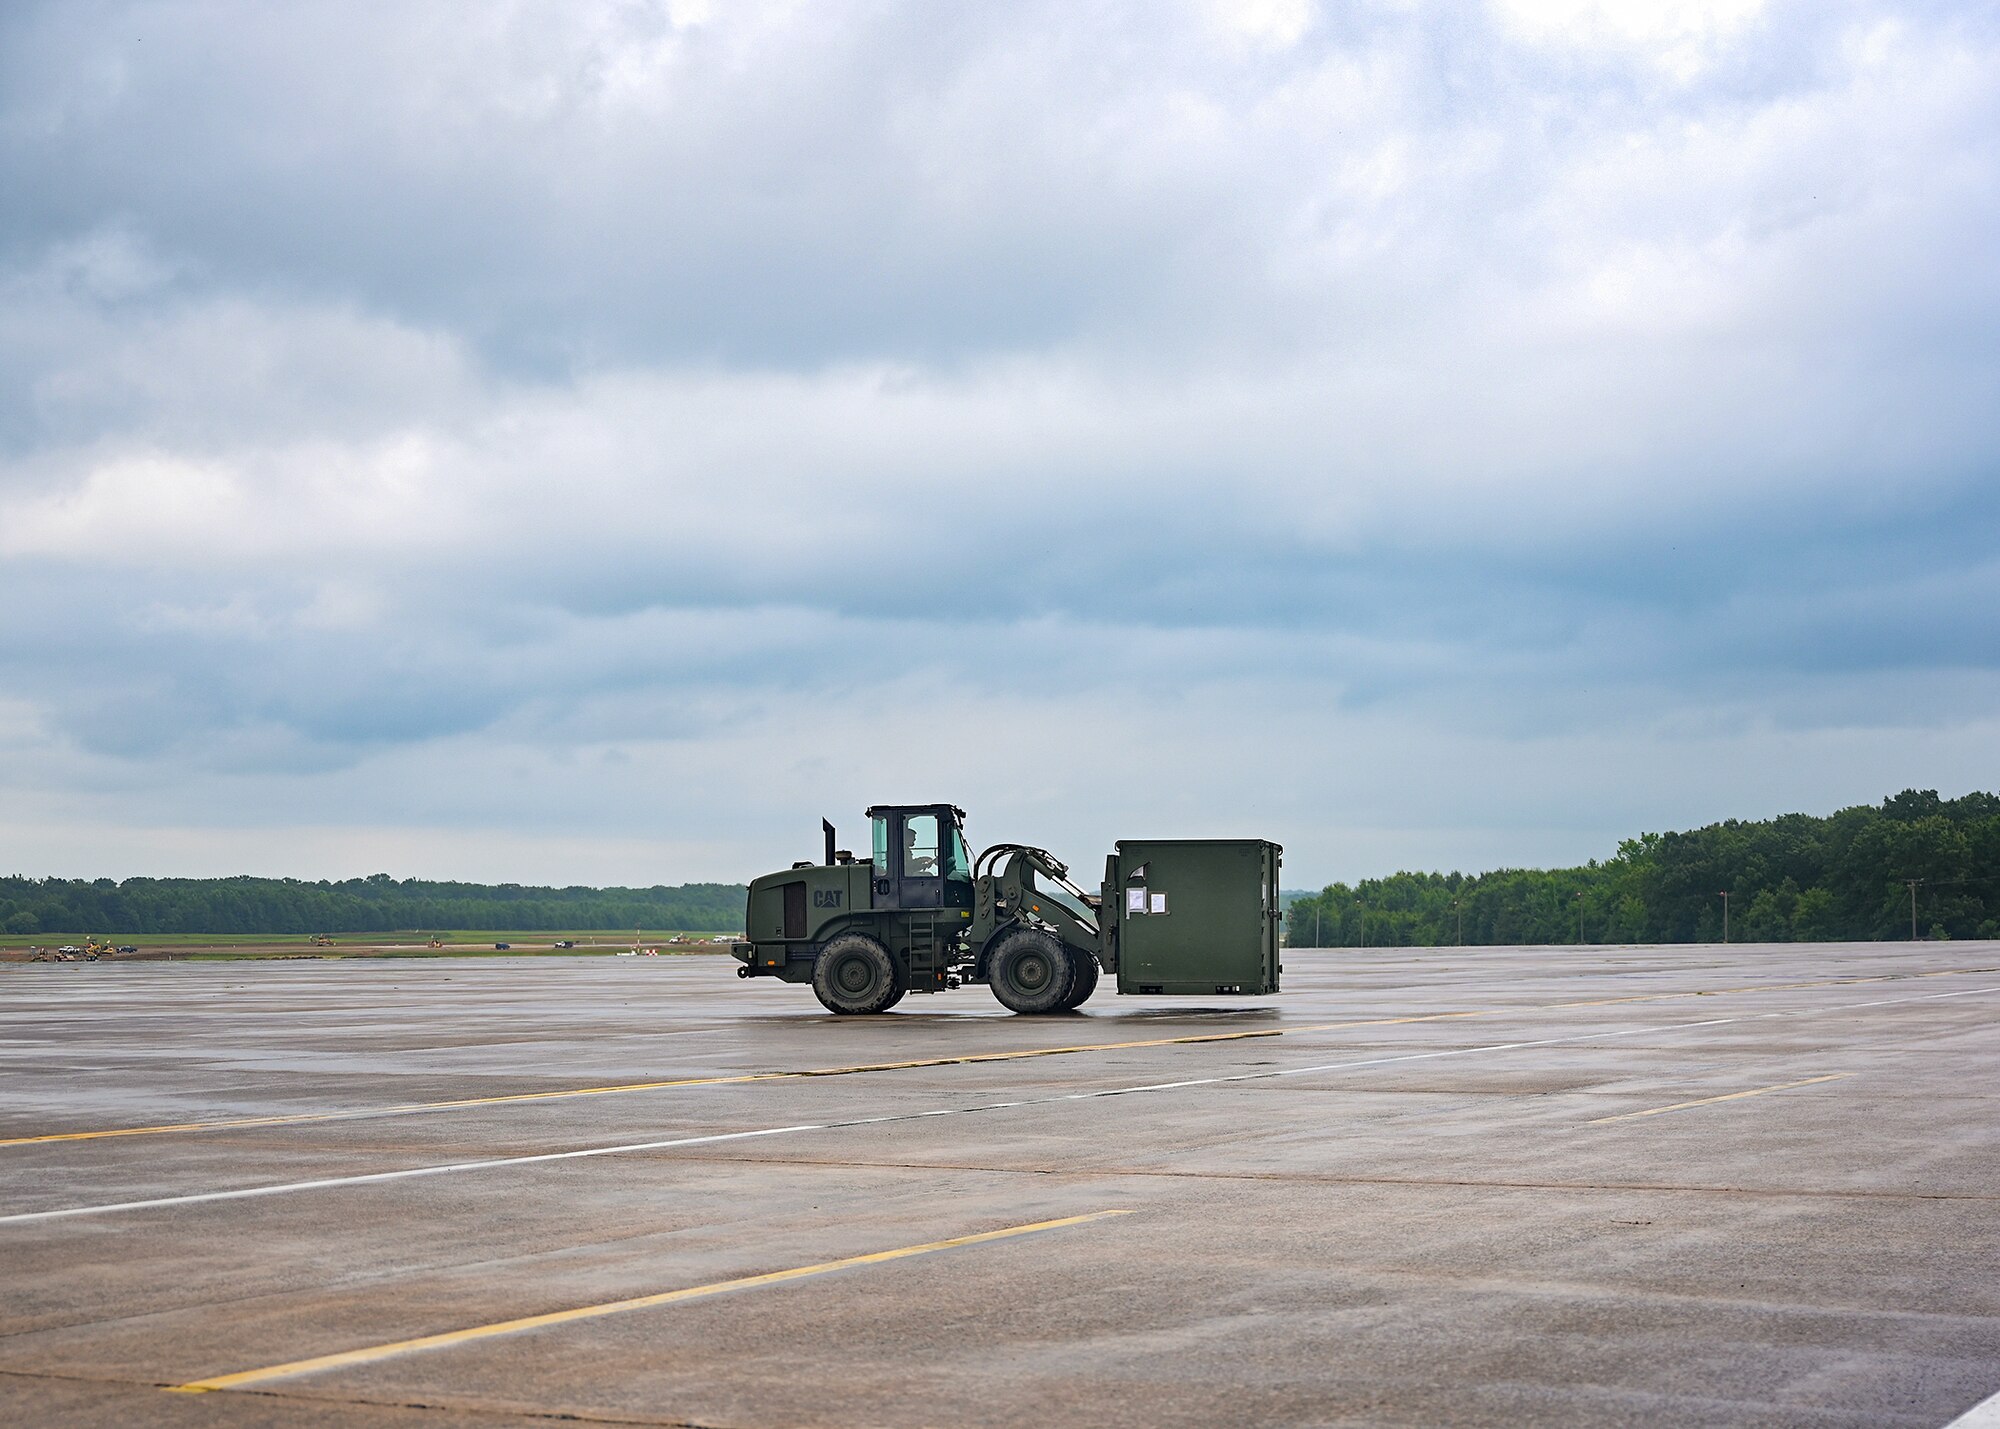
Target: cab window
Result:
[[920, 846], [956, 863]]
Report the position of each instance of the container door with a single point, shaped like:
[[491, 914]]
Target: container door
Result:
[[1274, 915], [1193, 917]]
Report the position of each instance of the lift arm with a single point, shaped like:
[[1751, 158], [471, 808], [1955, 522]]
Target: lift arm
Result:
[[1018, 882]]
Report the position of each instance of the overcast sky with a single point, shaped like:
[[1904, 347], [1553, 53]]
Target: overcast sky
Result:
[[590, 441]]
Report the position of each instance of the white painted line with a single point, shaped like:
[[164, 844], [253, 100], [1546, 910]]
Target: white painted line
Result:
[[627, 1148], [1983, 1415]]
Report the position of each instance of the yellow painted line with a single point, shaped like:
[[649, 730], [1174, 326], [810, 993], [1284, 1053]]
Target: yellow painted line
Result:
[[371, 1353], [391, 1110], [966, 1059], [405, 1107], [1711, 1101]]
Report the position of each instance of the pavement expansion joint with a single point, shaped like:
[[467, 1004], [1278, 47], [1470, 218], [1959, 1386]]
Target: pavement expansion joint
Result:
[[1323, 1178], [480, 1411], [474, 1411], [352, 1280]]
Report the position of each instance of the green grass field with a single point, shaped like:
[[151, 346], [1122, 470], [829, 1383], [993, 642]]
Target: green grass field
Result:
[[458, 942]]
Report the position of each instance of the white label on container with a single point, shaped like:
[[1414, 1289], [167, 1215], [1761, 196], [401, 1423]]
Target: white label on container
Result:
[[1135, 900], [1159, 903]]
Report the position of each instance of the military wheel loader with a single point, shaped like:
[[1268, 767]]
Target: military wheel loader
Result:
[[1185, 916]]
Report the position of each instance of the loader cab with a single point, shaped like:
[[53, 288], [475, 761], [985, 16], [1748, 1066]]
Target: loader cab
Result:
[[920, 858]]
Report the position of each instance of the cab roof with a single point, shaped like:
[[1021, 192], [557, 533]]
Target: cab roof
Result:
[[957, 813]]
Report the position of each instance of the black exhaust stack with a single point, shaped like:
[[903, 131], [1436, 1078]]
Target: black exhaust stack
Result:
[[829, 840]]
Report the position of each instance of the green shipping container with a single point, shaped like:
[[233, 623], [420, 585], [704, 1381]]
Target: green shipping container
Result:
[[1195, 916]]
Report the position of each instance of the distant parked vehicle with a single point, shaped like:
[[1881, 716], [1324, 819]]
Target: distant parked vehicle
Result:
[[501, 947], [565, 943], [127, 948]]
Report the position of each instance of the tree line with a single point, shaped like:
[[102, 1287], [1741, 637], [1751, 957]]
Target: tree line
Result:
[[1853, 875], [376, 904]]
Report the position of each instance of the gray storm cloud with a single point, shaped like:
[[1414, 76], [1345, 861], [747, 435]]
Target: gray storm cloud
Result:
[[588, 441]]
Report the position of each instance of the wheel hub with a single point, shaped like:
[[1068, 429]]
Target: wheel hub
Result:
[[853, 975]]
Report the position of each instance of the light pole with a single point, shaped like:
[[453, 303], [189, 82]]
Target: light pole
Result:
[[1913, 882], [1461, 921], [1319, 911], [1725, 917], [1364, 921], [1579, 920]]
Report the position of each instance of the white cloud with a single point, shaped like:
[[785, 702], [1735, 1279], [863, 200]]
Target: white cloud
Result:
[[1681, 37], [1278, 23]]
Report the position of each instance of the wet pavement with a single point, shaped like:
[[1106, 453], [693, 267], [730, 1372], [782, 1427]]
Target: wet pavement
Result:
[[1550, 1186]]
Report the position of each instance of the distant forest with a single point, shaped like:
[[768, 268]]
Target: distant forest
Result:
[[376, 904], [1795, 878]]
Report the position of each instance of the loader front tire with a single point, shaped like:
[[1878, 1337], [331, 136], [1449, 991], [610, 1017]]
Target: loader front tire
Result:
[[1030, 971], [1082, 980], [855, 974]]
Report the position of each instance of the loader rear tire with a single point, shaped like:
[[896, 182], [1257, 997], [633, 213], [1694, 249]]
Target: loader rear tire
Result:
[[855, 974], [1082, 980], [1030, 971]]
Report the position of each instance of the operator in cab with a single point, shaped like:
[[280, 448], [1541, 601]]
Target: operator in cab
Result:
[[918, 862]]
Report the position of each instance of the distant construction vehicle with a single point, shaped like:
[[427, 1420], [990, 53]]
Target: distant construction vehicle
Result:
[[1187, 916]]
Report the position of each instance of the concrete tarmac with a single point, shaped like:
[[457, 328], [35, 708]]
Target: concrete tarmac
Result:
[[1752, 1185]]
